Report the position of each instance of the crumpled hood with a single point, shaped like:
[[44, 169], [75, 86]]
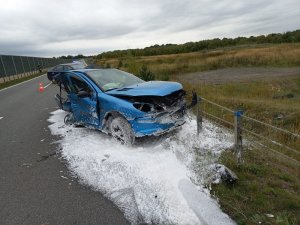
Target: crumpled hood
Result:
[[151, 88]]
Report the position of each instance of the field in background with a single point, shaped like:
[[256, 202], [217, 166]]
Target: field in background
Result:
[[167, 66]]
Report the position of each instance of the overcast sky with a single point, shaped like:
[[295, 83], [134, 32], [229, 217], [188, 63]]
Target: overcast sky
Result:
[[63, 27]]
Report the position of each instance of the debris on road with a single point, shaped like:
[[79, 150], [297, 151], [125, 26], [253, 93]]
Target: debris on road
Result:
[[45, 157], [224, 174], [27, 164]]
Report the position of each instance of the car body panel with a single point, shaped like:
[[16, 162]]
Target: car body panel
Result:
[[151, 88], [95, 109]]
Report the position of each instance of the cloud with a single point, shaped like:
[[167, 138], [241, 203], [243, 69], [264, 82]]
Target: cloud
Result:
[[54, 27]]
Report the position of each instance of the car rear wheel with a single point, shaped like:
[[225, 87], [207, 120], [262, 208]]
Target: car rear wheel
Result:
[[121, 131]]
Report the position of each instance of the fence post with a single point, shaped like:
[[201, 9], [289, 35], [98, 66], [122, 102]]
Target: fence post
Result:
[[199, 115], [238, 141]]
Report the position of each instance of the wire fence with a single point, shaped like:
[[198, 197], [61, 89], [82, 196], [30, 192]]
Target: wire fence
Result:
[[13, 67], [284, 143]]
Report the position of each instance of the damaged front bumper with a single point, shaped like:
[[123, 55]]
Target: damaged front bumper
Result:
[[157, 124]]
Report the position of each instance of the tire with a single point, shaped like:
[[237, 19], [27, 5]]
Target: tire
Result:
[[69, 119], [121, 131]]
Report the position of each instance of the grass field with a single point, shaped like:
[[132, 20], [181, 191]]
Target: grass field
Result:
[[268, 183], [166, 66], [268, 189]]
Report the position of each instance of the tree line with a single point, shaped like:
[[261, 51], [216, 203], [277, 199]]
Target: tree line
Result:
[[274, 38]]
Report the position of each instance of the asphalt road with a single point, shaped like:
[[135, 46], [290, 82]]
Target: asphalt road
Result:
[[35, 187]]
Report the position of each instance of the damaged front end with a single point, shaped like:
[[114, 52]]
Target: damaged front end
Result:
[[161, 113]]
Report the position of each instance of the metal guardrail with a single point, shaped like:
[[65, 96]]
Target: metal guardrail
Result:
[[14, 67]]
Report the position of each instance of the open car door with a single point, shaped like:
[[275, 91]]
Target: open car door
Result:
[[83, 100]]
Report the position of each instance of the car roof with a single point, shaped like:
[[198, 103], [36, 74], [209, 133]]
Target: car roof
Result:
[[70, 64], [86, 70]]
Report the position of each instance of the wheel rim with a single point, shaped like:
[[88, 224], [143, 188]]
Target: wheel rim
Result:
[[118, 134]]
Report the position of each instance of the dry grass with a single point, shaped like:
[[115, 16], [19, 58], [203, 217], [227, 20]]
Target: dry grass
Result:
[[281, 55]]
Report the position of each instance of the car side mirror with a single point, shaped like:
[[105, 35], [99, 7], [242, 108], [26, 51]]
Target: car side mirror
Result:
[[83, 94]]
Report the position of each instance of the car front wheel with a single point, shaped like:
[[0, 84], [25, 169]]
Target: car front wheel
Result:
[[121, 131]]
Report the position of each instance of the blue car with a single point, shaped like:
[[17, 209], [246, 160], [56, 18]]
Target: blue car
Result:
[[121, 104]]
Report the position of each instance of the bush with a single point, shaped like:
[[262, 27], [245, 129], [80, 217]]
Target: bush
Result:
[[146, 74], [120, 64]]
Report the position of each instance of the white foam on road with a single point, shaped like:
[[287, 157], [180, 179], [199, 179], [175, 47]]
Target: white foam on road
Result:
[[149, 183], [1, 118]]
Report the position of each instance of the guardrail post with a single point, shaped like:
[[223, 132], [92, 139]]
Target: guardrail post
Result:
[[238, 142], [199, 115]]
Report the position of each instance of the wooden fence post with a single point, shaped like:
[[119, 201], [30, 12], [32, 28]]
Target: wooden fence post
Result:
[[238, 142]]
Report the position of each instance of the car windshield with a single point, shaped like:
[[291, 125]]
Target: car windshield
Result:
[[109, 79]]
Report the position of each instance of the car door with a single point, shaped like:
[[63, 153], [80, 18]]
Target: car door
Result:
[[84, 108]]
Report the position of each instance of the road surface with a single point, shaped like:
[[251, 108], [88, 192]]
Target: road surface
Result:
[[35, 187]]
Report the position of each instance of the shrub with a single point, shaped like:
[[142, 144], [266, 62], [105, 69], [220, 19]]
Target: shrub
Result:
[[146, 74]]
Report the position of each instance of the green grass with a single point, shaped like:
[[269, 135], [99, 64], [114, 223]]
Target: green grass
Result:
[[266, 185], [16, 81]]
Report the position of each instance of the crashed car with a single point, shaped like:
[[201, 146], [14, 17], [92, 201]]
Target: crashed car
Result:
[[121, 104]]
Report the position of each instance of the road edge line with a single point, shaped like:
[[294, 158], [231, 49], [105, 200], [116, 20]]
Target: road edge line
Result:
[[21, 83]]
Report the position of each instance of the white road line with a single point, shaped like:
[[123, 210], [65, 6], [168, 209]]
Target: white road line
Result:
[[47, 85], [21, 83]]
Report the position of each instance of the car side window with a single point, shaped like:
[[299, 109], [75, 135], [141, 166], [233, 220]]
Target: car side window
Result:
[[66, 68], [78, 84], [58, 68]]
